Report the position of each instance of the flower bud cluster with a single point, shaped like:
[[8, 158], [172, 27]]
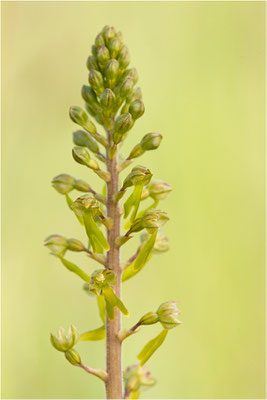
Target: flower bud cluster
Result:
[[111, 85]]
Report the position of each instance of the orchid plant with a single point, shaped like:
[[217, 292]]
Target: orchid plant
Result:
[[115, 103]]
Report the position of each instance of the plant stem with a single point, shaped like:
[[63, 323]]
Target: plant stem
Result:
[[113, 344]]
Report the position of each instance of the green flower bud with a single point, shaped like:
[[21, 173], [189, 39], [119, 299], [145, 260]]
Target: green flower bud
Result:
[[92, 63], [131, 73], [81, 155], [94, 113], [99, 40], [159, 190], [124, 57], [107, 99], [89, 96], [102, 55], [137, 109], [148, 319], [135, 95], [109, 33], [94, 50], [115, 45], [96, 81], [126, 88], [73, 357], [65, 341], [123, 123], [75, 245], [137, 151], [78, 116], [151, 141], [82, 186], [63, 183], [168, 313], [83, 139], [57, 244], [112, 69]]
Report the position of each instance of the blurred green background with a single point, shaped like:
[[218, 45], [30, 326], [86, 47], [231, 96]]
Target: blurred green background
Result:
[[201, 68]]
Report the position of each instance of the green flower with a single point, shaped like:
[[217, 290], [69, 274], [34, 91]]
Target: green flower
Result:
[[168, 314], [65, 341]]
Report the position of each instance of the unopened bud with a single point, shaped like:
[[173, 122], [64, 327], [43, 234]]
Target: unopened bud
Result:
[[94, 50], [82, 186], [73, 357], [57, 244], [168, 314], [159, 190], [99, 40], [96, 81], [92, 63], [112, 69], [65, 341], [102, 55], [81, 155], [109, 33], [135, 95], [78, 116], [107, 99], [131, 73], [122, 125], [124, 57], [148, 319], [137, 109], [63, 183], [89, 96], [75, 245], [115, 45], [84, 139], [151, 141], [126, 88]]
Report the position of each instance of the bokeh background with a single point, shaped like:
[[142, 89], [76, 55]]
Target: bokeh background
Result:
[[201, 68]]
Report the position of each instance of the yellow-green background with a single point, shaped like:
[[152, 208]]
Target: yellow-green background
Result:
[[201, 68]]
